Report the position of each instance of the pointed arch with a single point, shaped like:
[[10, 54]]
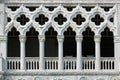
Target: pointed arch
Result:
[[32, 43], [13, 44], [88, 44], [69, 45], [51, 44], [107, 43]]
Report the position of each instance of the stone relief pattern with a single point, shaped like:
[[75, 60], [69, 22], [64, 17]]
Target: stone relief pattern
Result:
[[60, 18]]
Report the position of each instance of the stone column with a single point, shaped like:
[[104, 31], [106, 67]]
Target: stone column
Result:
[[22, 39], [41, 52], [3, 51], [79, 52], [97, 52], [60, 51], [117, 52]]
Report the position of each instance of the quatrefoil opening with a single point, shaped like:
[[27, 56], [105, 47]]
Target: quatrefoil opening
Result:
[[22, 19], [97, 19], [60, 19], [79, 19], [41, 19]]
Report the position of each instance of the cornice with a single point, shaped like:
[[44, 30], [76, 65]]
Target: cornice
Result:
[[62, 1]]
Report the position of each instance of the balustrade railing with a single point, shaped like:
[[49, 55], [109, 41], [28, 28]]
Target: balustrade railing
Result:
[[51, 63], [107, 63], [69, 63], [32, 63], [88, 63], [13, 63]]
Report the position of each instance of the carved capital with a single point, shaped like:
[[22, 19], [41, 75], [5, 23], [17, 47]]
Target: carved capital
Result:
[[97, 38], [22, 38], [60, 38], [117, 39], [41, 38], [3, 38], [79, 38]]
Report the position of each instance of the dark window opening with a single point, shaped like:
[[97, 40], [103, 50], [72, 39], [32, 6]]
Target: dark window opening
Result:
[[50, 8], [111, 19], [97, 19], [23, 19], [32, 43], [13, 8], [69, 8], [106, 8], [32, 8], [79, 19], [88, 44], [13, 45], [8, 19], [41, 19], [88, 8], [107, 44], [60, 19], [51, 43], [69, 45]]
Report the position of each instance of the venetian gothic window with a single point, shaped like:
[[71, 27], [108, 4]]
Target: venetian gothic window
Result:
[[69, 45], [88, 44], [51, 43], [13, 44], [32, 43], [107, 44]]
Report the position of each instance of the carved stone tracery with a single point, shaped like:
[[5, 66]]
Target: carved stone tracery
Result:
[[61, 18]]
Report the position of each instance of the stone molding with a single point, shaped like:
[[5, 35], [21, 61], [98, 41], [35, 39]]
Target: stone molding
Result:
[[62, 1]]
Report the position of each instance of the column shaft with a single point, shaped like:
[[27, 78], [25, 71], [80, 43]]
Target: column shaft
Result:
[[3, 51], [41, 52], [97, 53], [22, 52], [60, 52], [79, 52]]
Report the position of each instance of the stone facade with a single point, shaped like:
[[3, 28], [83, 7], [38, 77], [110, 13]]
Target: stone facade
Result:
[[10, 18]]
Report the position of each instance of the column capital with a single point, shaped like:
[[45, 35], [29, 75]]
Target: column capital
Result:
[[79, 38], [41, 38], [117, 39], [97, 38], [3, 38], [60, 38], [22, 38]]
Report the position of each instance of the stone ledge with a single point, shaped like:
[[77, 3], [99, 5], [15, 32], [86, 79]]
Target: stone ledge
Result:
[[62, 72], [62, 1]]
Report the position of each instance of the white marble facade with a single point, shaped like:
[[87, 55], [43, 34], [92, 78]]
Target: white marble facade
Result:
[[60, 74]]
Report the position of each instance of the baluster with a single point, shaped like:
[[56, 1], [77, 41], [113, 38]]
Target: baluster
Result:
[[18, 65], [33, 62], [105, 64], [55, 65], [15, 65], [46, 64], [8, 64], [108, 64]]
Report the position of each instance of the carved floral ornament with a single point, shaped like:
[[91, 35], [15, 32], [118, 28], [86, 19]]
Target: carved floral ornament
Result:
[[60, 18]]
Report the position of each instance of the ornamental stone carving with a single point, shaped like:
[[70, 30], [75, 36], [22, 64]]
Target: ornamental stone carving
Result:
[[61, 18]]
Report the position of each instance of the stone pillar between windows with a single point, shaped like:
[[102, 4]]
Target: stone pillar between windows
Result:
[[60, 51], [41, 52], [97, 52], [22, 39], [3, 51], [117, 52], [79, 52]]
